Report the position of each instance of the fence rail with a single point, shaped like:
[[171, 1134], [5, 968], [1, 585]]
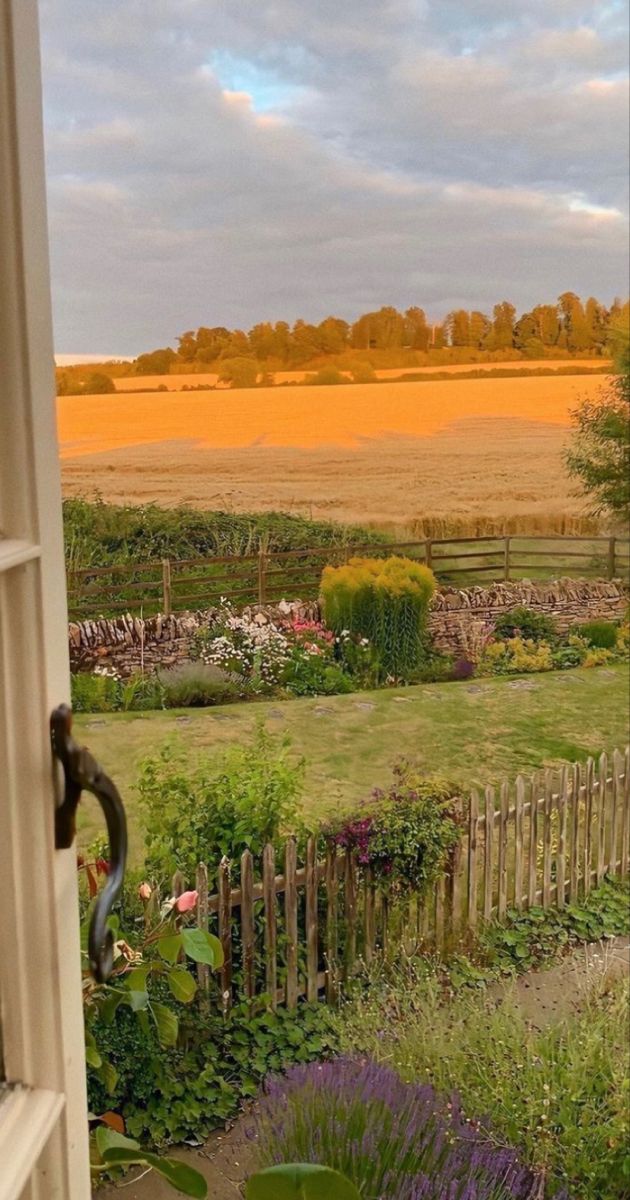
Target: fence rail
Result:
[[300, 931], [173, 585]]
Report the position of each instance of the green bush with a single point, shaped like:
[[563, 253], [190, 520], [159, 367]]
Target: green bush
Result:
[[312, 675], [197, 685], [600, 634], [168, 1094], [405, 832], [527, 624], [384, 600], [217, 804], [94, 693]]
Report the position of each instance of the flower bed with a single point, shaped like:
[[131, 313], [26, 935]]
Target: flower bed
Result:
[[394, 1140]]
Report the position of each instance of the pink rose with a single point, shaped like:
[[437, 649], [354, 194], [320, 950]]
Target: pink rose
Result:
[[186, 902], [145, 891]]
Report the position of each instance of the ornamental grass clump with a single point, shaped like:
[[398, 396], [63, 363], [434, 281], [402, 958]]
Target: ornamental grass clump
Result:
[[386, 601], [393, 1140]]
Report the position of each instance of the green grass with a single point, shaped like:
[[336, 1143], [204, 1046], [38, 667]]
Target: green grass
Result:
[[471, 733]]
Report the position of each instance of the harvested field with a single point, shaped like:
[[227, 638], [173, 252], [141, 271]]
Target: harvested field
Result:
[[392, 454]]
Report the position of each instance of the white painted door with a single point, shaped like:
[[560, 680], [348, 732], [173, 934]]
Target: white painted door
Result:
[[43, 1130]]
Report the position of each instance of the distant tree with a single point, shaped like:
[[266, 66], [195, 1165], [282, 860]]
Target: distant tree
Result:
[[547, 323], [99, 384], [502, 335], [457, 327], [157, 362], [600, 454], [332, 335], [480, 328], [238, 372], [417, 332]]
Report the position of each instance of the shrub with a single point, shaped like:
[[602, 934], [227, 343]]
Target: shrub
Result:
[[384, 600], [98, 692], [327, 376], [222, 804], [404, 833], [168, 1094], [525, 623], [600, 634], [517, 656], [394, 1140], [196, 685]]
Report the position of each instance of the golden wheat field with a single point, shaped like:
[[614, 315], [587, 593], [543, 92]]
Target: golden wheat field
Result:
[[394, 454]]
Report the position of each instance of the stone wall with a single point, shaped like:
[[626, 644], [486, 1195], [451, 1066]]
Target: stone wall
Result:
[[457, 614]]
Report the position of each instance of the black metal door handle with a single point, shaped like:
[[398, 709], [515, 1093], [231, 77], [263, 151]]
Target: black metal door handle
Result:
[[82, 772]]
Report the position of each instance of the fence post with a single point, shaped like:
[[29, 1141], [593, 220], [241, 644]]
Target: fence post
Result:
[[428, 552], [262, 576], [611, 557], [167, 602], [203, 972], [506, 560]]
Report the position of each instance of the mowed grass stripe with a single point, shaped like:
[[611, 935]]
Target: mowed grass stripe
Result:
[[472, 734]]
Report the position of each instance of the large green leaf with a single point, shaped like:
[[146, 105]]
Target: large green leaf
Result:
[[137, 1000], [180, 1175], [182, 985], [166, 1024], [202, 947], [108, 1139], [300, 1181], [110, 1004], [169, 948], [136, 980]]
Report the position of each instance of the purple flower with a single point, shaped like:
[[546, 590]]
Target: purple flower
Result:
[[395, 1140]]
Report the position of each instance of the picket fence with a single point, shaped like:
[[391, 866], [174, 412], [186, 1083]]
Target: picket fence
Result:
[[546, 840]]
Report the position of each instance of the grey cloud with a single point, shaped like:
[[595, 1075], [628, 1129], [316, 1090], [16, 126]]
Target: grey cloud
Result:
[[398, 173]]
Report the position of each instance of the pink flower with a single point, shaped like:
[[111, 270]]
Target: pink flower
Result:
[[186, 902], [145, 891]]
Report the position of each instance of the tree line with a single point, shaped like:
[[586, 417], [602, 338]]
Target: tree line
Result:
[[570, 326]]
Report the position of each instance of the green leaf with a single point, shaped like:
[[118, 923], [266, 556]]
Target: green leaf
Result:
[[109, 1139], [182, 985], [202, 947], [108, 1076], [169, 948], [185, 1179], [137, 1000], [109, 1006], [136, 980], [166, 1024], [301, 1181], [92, 1057]]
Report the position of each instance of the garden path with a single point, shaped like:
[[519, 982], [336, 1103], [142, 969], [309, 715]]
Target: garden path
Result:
[[544, 996]]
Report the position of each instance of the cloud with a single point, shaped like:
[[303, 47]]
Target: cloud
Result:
[[225, 164]]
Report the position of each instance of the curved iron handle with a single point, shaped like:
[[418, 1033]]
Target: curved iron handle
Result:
[[81, 771]]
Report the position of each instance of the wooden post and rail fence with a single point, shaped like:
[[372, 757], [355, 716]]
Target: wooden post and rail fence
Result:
[[291, 931], [175, 585]]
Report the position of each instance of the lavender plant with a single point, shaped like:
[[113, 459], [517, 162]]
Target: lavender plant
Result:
[[393, 1140]]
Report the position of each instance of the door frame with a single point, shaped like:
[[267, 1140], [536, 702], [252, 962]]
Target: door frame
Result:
[[43, 1110]]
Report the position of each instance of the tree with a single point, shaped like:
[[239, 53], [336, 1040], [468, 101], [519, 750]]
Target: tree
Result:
[[417, 333], [99, 384], [502, 336], [457, 325], [600, 455], [238, 372], [157, 362]]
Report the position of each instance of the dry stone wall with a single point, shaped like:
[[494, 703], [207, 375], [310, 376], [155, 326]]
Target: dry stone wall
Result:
[[130, 645]]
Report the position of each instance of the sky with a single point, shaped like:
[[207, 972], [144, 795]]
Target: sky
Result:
[[222, 162]]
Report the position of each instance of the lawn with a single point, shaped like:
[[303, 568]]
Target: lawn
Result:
[[470, 733]]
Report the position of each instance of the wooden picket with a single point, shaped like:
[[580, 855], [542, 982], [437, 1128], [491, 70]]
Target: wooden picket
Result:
[[548, 840]]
